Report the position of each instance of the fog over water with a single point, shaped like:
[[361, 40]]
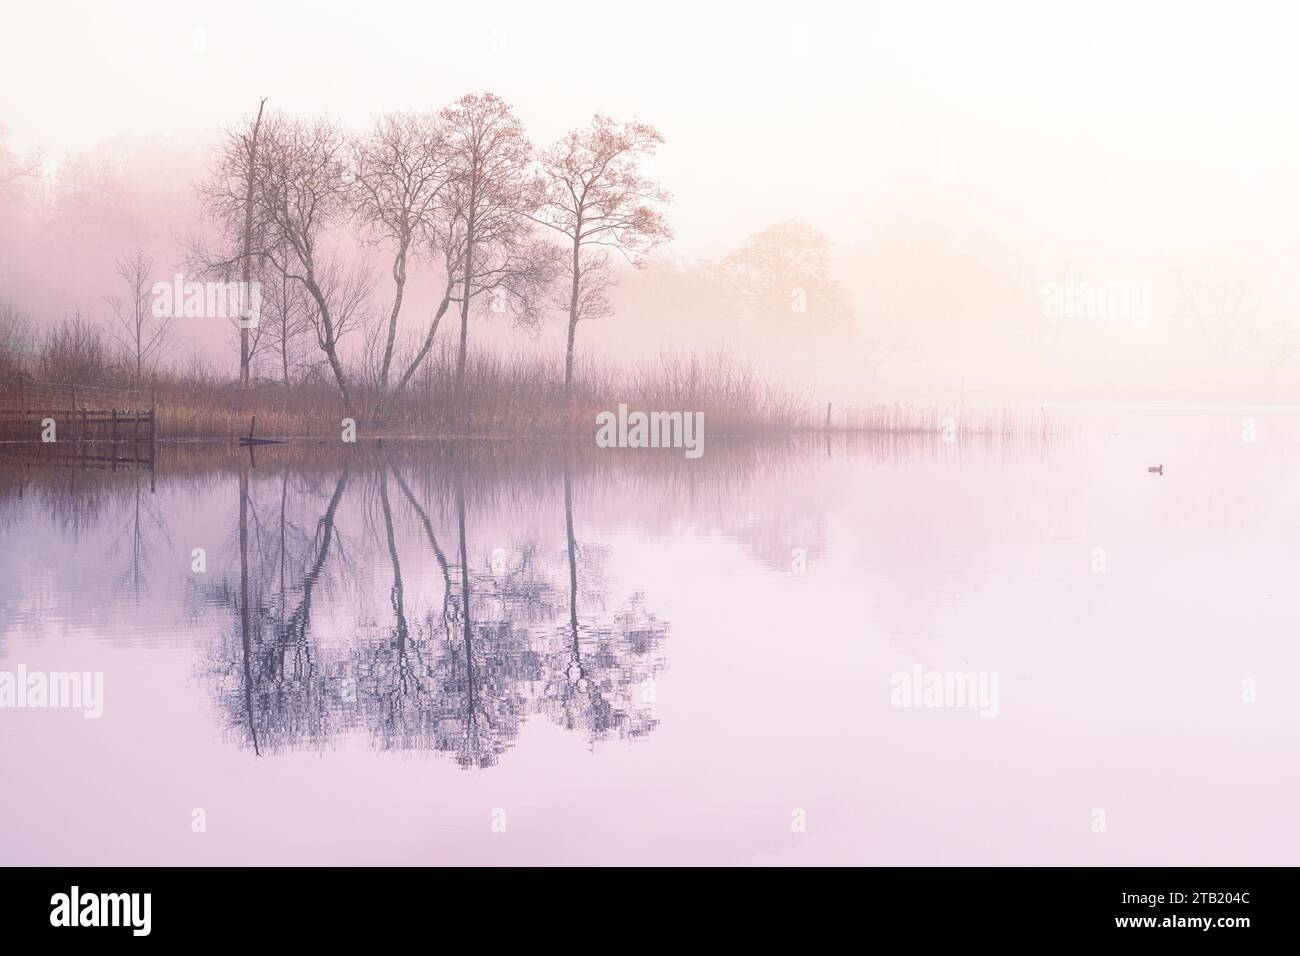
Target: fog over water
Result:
[[975, 330]]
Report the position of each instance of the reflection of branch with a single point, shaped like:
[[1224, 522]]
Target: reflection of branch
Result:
[[466, 625], [592, 690], [297, 623], [573, 568], [448, 610], [423, 684], [243, 604], [396, 592], [405, 683], [269, 703]]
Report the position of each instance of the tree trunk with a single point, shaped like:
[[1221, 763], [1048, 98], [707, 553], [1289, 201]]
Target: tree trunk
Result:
[[464, 597], [330, 346], [399, 280], [244, 622], [248, 248], [284, 329], [573, 313], [426, 345], [573, 568], [464, 341], [464, 302]]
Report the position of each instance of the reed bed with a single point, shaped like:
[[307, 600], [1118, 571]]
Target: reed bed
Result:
[[511, 395]]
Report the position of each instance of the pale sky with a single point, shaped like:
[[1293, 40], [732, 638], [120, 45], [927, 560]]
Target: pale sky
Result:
[[1129, 120], [942, 147]]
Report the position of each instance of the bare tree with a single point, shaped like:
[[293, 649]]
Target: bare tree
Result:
[[300, 193], [343, 305], [286, 318], [16, 339], [598, 199], [444, 239], [229, 197], [487, 235], [14, 167], [786, 269], [513, 266], [1214, 289], [145, 338], [248, 144], [75, 350], [401, 168], [197, 366]]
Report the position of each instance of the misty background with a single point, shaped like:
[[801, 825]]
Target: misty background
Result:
[[929, 176]]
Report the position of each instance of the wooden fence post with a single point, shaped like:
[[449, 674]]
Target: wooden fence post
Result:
[[153, 433]]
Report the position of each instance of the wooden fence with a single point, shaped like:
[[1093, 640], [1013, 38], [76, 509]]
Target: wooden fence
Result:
[[79, 412]]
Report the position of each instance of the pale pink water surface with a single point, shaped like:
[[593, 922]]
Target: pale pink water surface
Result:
[[738, 621]]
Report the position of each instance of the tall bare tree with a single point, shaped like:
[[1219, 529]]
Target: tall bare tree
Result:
[[597, 197], [249, 144], [486, 210], [339, 306], [286, 318], [144, 337], [401, 168], [300, 193], [229, 198]]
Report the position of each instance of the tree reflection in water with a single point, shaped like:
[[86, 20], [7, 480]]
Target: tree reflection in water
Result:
[[456, 667], [600, 677]]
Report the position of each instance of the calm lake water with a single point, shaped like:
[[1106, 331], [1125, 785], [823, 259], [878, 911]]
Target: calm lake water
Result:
[[493, 653]]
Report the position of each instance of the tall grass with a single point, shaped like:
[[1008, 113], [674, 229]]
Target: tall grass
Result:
[[507, 394], [503, 395]]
